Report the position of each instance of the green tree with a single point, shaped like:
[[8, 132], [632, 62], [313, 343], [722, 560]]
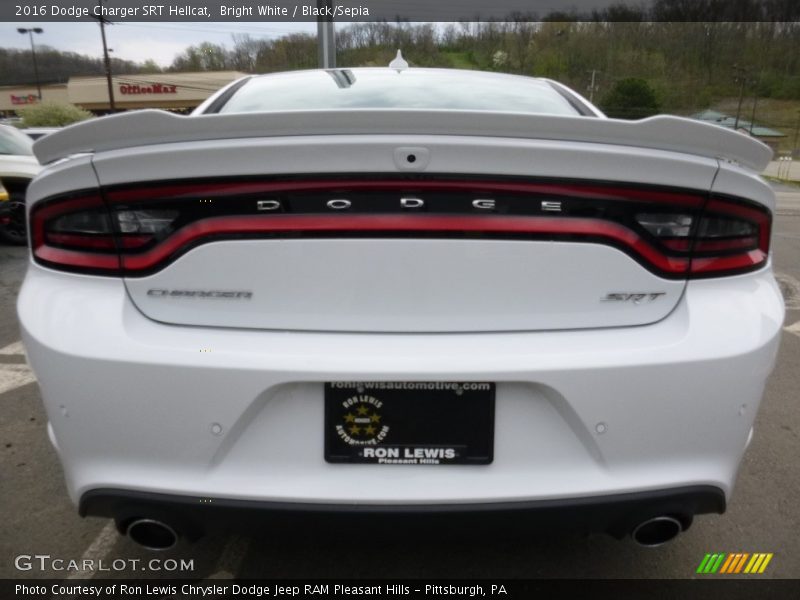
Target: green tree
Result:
[[149, 66], [202, 57], [631, 98], [52, 114]]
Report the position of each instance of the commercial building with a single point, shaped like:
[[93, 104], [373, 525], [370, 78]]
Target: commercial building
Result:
[[171, 91]]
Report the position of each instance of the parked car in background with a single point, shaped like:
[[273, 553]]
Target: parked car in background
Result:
[[5, 206], [406, 291], [3, 201], [18, 166], [37, 132], [11, 121]]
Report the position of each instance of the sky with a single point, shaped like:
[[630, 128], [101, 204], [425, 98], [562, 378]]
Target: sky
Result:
[[141, 41]]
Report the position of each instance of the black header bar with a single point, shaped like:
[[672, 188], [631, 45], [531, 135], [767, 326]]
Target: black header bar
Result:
[[351, 11]]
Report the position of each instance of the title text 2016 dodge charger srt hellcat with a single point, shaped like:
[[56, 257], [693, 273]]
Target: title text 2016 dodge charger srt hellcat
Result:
[[400, 290]]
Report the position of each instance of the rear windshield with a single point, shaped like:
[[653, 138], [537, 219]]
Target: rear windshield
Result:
[[387, 88], [13, 141]]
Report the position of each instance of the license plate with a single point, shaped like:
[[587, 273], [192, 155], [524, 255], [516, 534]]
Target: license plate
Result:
[[416, 423]]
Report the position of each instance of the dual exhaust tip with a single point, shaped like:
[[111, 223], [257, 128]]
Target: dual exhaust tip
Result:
[[157, 535], [657, 531], [152, 534]]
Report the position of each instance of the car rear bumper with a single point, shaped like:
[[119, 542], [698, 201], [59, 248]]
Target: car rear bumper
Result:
[[236, 415], [616, 514]]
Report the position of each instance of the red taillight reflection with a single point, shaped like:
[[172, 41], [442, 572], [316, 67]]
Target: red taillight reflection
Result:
[[674, 234], [584, 228]]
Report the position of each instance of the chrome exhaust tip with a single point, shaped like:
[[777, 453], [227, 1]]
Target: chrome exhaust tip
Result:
[[152, 534], [657, 531]]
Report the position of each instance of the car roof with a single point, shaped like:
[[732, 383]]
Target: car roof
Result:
[[406, 73], [384, 87]]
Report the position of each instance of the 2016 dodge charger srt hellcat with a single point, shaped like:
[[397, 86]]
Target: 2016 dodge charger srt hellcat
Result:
[[400, 290]]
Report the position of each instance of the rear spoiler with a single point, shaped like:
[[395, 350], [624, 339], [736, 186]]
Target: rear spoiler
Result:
[[146, 127]]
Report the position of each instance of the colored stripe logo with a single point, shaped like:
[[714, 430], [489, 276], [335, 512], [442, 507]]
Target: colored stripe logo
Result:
[[734, 563]]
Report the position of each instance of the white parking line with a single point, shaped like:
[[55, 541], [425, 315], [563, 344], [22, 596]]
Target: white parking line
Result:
[[13, 348], [790, 288], [97, 551], [231, 558], [14, 375], [795, 329]]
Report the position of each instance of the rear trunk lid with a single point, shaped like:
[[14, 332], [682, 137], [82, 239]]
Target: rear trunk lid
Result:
[[451, 230]]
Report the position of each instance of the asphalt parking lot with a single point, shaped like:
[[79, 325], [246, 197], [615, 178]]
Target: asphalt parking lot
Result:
[[764, 515]]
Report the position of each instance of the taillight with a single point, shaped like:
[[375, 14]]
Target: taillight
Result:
[[74, 234], [672, 230], [666, 225], [674, 233], [732, 236], [145, 222], [80, 234]]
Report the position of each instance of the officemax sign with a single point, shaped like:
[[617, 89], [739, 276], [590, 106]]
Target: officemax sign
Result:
[[154, 88]]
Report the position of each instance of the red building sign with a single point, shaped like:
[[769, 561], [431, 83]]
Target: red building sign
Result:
[[27, 99]]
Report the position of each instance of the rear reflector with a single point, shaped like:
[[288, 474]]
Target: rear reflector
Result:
[[675, 234]]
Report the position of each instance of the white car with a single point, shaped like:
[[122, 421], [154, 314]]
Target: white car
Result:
[[400, 290], [38, 132], [17, 167]]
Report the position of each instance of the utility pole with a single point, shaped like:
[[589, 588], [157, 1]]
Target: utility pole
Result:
[[592, 87], [753, 115], [30, 33], [326, 36], [796, 133], [106, 60], [742, 78]]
